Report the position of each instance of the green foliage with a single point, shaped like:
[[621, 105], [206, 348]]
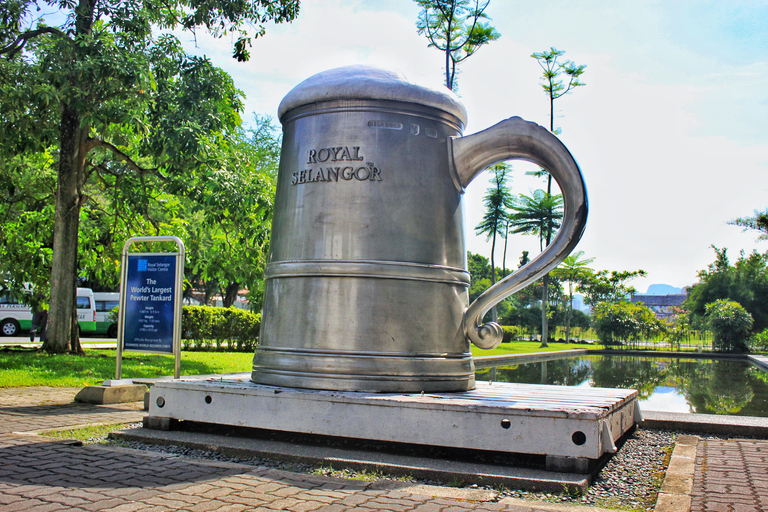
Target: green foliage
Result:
[[510, 333], [126, 117], [498, 203], [203, 325], [617, 323], [730, 324], [758, 222], [745, 282], [573, 270], [608, 286], [759, 341], [679, 328], [539, 214], [553, 86], [455, 27]]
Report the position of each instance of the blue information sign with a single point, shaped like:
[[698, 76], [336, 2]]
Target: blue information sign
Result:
[[150, 293]]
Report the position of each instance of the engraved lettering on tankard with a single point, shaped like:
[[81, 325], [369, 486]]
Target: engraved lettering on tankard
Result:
[[366, 288]]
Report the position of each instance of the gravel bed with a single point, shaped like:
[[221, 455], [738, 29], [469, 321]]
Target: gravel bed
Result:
[[630, 480]]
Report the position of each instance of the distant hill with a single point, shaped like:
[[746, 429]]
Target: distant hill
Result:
[[663, 289]]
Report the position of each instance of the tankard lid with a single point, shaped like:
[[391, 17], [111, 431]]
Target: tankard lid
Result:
[[362, 82]]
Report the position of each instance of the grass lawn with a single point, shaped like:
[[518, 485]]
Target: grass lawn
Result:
[[23, 367], [31, 368], [525, 347]]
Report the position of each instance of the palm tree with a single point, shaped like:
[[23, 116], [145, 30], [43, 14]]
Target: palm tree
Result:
[[539, 214], [572, 269], [758, 223], [498, 202]]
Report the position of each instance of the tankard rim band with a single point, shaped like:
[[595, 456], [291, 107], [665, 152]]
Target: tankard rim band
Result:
[[368, 268], [381, 106], [334, 353]]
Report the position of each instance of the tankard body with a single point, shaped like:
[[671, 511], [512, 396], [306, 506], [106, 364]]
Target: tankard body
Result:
[[366, 285]]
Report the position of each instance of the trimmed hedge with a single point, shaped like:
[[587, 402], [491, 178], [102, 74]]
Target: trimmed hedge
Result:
[[203, 327], [510, 333]]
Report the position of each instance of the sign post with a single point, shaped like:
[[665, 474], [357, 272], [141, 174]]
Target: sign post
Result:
[[150, 301]]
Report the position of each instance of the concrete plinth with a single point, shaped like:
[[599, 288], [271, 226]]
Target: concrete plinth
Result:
[[111, 394], [573, 427]]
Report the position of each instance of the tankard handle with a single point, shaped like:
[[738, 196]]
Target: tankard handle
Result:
[[513, 139]]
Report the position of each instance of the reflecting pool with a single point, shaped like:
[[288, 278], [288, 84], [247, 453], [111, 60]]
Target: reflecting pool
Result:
[[704, 386]]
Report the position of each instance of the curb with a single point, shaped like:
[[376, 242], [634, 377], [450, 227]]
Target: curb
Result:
[[675, 494]]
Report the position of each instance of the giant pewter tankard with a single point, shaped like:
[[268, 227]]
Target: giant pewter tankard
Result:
[[366, 285]]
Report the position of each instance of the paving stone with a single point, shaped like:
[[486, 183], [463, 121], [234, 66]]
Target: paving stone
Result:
[[40, 473]]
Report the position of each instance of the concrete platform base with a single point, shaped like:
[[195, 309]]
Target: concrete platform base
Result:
[[449, 471], [111, 394], [572, 428]]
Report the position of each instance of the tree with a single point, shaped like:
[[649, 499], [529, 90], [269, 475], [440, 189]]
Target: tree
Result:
[[745, 282], [106, 93], [231, 216], [608, 286], [553, 85], [554, 88], [616, 322], [758, 222], [730, 325], [455, 27], [573, 270], [497, 201], [539, 214]]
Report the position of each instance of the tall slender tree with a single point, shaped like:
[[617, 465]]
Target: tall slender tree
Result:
[[536, 214], [456, 28], [573, 269], [539, 214], [498, 202], [758, 222], [555, 87]]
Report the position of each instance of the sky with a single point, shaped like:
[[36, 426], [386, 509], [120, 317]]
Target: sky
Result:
[[670, 130]]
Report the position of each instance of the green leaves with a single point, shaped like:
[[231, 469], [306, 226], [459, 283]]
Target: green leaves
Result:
[[538, 214], [622, 321], [730, 324], [745, 282], [455, 28]]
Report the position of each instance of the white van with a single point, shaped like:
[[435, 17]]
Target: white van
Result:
[[105, 303], [16, 317]]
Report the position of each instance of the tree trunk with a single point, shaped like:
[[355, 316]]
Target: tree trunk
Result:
[[230, 294], [544, 307], [65, 233], [494, 311], [570, 312], [74, 332], [504, 257]]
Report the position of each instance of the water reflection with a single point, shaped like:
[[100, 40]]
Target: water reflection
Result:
[[672, 385]]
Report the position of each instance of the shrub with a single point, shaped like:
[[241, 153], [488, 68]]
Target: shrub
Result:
[[623, 321], [510, 333], [730, 325], [759, 341], [201, 326]]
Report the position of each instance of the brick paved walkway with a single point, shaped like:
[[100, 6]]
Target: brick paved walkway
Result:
[[731, 476], [44, 474]]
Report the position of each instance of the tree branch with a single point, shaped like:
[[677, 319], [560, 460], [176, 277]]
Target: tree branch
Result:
[[15, 47], [122, 156]]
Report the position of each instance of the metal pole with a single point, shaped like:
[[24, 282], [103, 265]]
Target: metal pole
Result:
[[180, 259], [121, 311]]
